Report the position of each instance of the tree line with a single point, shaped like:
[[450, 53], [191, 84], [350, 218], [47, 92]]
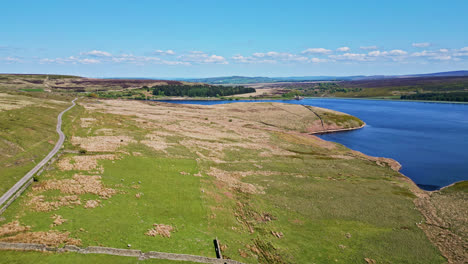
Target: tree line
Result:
[[199, 90], [455, 96]]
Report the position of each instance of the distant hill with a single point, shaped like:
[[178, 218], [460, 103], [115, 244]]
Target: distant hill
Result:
[[259, 79]]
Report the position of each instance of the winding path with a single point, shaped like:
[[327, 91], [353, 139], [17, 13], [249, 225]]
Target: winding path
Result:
[[6, 196]]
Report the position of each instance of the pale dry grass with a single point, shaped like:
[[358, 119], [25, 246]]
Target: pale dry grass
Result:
[[12, 228], [58, 220], [232, 180], [87, 121], [10, 102], [39, 204], [50, 238], [161, 230], [79, 184], [84, 163], [92, 203], [101, 143]]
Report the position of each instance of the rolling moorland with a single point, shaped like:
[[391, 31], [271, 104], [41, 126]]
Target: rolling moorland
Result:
[[414, 88], [171, 178]]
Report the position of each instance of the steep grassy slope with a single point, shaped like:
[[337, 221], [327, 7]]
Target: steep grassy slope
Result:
[[171, 178], [27, 133]]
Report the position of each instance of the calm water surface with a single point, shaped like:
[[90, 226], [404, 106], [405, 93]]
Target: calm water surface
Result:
[[430, 140]]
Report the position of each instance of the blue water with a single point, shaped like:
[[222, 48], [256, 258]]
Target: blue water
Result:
[[430, 140]]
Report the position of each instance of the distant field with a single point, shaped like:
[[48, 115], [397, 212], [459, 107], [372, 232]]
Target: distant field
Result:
[[439, 87], [249, 174]]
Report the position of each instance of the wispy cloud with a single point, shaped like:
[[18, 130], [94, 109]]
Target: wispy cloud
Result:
[[162, 52], [316, 51], [343, 49], [96, 53], [368, 47], [202, 58], [421, 45]]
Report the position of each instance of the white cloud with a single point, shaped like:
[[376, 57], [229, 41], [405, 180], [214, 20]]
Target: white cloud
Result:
[[350, 57], [11, 59], [442, 57], [464, 49], [444, 50], [162, 52], [316, 51], [317, 60], [368, 47], [89, 61], [271, 57], [96, 53], [201, 57], [252, 60], [421, 45], [423, 53], [397, 52], [377, 53], [343, 49]]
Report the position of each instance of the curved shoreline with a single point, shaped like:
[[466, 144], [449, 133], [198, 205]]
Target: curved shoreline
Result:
[[337, 130]]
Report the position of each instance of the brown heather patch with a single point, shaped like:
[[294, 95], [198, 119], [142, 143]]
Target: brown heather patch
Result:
[[102, 143], [84, 163], [50, 238], [12, 228], [161, 230]]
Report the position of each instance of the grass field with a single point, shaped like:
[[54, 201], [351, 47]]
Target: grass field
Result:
[[17, 257], [248, 174], [27, 133]]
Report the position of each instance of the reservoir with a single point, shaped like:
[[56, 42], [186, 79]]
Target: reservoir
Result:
[[430, 140]]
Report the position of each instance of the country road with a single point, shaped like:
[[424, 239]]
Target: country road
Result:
[[6, 196]]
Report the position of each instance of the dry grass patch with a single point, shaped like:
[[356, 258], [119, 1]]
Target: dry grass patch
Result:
[[38, 203], [92, 204], [160, 230], [84, 163], [79, 184], [231, 179], [12, 228], [10, 102], [156, 142], [58, 220], [87, 121], [102, 143], [50, 238]]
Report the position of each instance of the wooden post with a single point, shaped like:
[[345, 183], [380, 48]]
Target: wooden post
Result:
[[217, 249]]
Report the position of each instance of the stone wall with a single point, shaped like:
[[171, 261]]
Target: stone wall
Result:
[[116, 252]]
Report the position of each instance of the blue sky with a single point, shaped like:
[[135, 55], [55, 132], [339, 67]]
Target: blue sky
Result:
[[220, 38]]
